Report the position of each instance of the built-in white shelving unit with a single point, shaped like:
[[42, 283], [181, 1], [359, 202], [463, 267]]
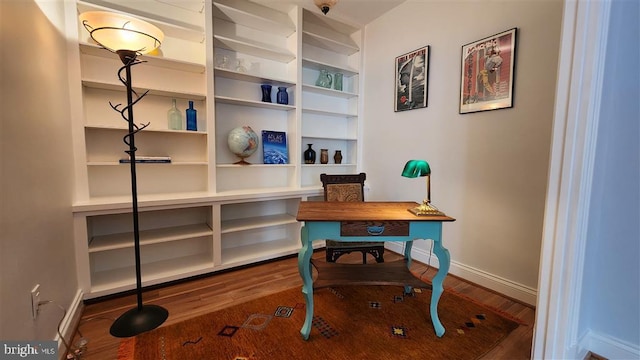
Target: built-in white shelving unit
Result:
[[202, 212], [330, 117]]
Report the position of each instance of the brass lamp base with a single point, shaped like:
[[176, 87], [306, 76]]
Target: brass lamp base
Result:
[[425, 209]]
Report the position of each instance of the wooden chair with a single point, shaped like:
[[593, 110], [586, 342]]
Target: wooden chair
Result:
[[348, 187]]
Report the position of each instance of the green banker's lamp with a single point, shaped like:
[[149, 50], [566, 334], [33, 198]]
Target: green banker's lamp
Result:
[[420, 168]]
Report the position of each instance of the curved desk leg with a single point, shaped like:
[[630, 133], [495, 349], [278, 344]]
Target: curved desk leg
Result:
[[443, 259], [304, 267], [407, 255]]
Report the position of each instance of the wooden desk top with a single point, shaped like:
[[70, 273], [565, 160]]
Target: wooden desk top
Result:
[[361, 211]]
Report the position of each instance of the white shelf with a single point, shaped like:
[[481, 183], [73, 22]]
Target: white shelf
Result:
[[329, 44], [235, 75], [95, 50], [255, 48], [328, 165], [325, 33], [173, 163], [123, 278], [167, 131], [328, 113], [319, 65], [242, 255], [262, 251], [329, 137], [255, 16], [117, 86], [251, 103], [270, 166], [230, 226], [329, 92], [148, 237]]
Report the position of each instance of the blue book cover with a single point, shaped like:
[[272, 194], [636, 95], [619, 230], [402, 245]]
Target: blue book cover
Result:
[[274, 147]]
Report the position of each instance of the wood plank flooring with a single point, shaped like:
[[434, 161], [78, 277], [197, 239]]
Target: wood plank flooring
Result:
[[188, 299]]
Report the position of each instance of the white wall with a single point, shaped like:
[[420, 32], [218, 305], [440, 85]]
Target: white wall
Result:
[[489, 169], [610, 298], [36, 240]]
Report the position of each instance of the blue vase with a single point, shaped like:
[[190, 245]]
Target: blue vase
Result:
[[192, 118], [282, 97], [266, 93]]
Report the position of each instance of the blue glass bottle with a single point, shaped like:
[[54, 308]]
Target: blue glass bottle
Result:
[[192, 118], [266, 93], [282, 97]]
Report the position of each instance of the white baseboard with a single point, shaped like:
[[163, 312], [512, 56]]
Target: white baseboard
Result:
[[504, 286], [608, 347], [69, 323]]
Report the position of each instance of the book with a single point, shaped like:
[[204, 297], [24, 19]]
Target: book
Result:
[[274, 147], [148, 160]]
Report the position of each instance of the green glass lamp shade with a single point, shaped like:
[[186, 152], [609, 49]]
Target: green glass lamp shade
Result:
[[416, 168], [420, 168]]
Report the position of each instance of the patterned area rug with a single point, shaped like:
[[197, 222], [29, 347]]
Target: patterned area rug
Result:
[[354, 322]]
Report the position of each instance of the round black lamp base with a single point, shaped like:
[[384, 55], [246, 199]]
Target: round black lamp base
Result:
[[136, 321]]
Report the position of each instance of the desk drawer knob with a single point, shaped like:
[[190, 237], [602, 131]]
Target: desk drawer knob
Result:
[[375, 230]]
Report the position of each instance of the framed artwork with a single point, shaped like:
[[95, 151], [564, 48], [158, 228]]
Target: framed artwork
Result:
[[487, 73], [412, 80]]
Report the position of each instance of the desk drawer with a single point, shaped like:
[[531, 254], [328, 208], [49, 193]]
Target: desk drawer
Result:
[[374, 228]]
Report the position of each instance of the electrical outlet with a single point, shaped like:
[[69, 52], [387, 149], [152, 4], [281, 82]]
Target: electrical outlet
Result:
[[35, 301]]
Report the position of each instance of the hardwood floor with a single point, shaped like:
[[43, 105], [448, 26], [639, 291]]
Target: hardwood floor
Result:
[[200, 296]]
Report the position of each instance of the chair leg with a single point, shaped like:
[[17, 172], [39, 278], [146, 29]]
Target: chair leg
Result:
[[333, 255], [378, 254]]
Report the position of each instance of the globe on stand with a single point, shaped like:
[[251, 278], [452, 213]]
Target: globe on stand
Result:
[[243, 142]]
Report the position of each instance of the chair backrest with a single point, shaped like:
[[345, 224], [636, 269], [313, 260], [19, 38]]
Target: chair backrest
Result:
[[343, 187]]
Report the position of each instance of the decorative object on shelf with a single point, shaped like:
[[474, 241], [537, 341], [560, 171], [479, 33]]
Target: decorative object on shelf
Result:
[[148, 160], [192, 117], [254, 68], [282, 97], [274, 147], [419, 168], [174, 117], [222, 62], [325, 5], [324, 79], [128, 37], [309, 155], [266, 93], [337, 81], [324, 156], [412, 80], [240, 66], [243, 142], [337, 157], [487, 73]]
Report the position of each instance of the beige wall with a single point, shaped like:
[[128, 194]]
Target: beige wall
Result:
[[36, 240], [489, 168]]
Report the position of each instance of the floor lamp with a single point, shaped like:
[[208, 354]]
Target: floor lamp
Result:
[[128, 37]]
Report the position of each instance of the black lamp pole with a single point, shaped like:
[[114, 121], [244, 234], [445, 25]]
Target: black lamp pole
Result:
[[143, 317]]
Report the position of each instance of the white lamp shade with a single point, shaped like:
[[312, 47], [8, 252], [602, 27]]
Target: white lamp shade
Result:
[[121, 32]]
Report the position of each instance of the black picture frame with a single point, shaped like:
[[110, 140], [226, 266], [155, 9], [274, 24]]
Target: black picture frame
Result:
[[412, 80], [487, 73]]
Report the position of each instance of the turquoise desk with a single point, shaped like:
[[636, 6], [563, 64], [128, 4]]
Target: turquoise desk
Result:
[[375, 221]]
